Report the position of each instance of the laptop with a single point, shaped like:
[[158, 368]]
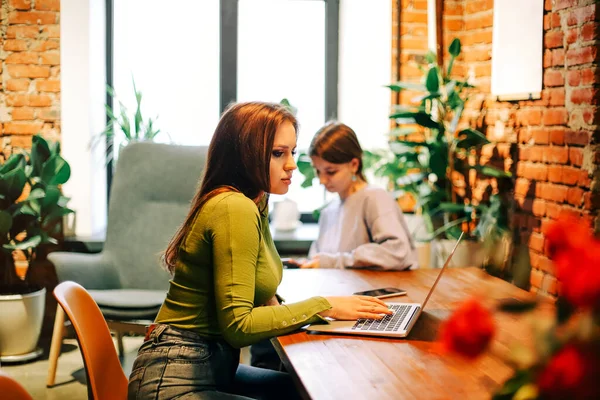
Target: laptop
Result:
[[396, 325]]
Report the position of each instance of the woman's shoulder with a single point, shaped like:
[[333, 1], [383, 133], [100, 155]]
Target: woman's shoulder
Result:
[[231, 201], [378, 194]]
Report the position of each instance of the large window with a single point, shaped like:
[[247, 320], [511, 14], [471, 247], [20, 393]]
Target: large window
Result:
[[192, 59]]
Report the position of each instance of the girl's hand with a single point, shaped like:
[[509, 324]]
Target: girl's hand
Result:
[[349, 308], [314, 263]]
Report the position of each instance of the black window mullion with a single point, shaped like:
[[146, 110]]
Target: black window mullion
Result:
[[228, 52], [332, 33]]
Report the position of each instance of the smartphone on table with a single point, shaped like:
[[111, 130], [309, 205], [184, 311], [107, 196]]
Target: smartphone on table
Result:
[[383, 293]]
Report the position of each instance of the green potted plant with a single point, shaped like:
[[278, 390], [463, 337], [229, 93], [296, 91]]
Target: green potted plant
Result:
[[125, 125], [429, 150], [31, 212]]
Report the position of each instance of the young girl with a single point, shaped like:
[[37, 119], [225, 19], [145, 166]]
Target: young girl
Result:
[[364, 227], [226, 271]]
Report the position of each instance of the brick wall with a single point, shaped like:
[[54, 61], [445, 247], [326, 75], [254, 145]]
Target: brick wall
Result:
[[551, 144], [30, 71]]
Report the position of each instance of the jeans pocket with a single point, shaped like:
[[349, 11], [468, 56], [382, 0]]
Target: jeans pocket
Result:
[[191, 353], [135, 380]]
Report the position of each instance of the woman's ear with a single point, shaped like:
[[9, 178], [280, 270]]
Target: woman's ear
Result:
[[354, 163]]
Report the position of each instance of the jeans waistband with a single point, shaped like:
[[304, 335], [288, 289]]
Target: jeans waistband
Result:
[[156, 331]]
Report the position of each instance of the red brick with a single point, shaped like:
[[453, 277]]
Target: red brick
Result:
[[545, 264], [547, 22], [552, 192], [582, 55], [573, 77], [575, 196], [22, 113], [557, 154], [51, 85], [558, 57], [555, 116], [50, 58], [20, 4], [591, 116], [15, 45], [557, 97], [47, 5], [32, 17], [28, 71], [22, 128], [590, 31], [547, 62], [22, 31], [554, 175], [576, 156], [49, 114], [21, 141], [590, 76], [537, 277], [22, 58], [553, 77], [585, 180], [584, 96], [34, 100], [552, 210], [51, 31], [538, 207], [553, 39], [555, 20], [475, 6], [479, 21], [414, 16], [45, 45], [561, 4], [529, 116], [572, 35], [537, 172], [557, 135], [17, 85], [522, 187], [540, 136], [536, 242], [581, 15], [580, 138], [477, 55], [570, 175]]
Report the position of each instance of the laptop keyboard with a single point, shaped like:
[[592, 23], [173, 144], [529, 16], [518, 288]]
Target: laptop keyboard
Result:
[[389, 323]]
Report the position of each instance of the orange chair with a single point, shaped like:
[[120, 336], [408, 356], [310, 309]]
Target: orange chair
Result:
[[11, 389], [105, 377]]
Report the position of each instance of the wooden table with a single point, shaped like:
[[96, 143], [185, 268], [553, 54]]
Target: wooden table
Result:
[[355, 367]]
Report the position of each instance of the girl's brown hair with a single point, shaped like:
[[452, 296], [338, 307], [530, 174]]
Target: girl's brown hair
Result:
[[238, 159], [337, 143]]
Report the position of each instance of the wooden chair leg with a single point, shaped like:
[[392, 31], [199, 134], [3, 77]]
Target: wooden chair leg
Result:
[[57, 338], [119, 335]]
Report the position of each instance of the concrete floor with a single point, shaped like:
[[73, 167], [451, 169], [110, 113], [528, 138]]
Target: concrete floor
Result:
[[70, 376]]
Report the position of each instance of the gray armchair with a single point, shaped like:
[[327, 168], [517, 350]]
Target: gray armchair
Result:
[[151, 193]]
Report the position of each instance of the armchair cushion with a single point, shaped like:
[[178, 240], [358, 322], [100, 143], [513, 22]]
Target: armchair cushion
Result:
[[125, 304], [92, 271]]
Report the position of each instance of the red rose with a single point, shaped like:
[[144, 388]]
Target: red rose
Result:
[[579, 272], [571, 374], [567, 234], [469, 330]]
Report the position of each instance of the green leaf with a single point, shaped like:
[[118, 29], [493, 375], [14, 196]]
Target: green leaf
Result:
[[306, 169], [6, 221], [491, 171], [512, 385], [16, 160], [40, 153], [468, 138], [399, 86], [56, 171], [35, 194], [431, 57], [51, 198], [31, 242], [12, 184], [55, 215], [432, 82], [454, 48], [289, 106]]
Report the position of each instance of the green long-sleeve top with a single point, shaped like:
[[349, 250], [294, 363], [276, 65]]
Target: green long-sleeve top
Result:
[[226, 269]]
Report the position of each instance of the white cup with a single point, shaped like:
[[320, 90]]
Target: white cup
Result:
[[286, 215]]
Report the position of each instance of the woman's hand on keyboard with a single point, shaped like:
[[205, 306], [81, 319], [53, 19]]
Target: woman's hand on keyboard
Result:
[[356, 307]]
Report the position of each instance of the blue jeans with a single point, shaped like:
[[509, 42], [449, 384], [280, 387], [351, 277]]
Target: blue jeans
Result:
[[177, 363]]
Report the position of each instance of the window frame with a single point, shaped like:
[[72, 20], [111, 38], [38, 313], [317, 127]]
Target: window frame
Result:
[[228, 27]]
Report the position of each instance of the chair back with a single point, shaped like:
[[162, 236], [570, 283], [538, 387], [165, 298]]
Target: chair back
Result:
[[105, 376], [11, 389], [150, 197]]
